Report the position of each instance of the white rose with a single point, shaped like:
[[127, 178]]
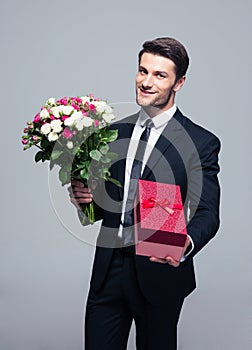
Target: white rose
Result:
[[108, 109], [69, 144], [53, 136], [104, 109], [56, 125], [99, 103], [45, 129], [67, 110], [44, 114], [69, 121], [85, 99], [87, 122], [77, 115], [100, 106], [108, 117], [79, 124], [55, 111], [51, 101], [100, 109]]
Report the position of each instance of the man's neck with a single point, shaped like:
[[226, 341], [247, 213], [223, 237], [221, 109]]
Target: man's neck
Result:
[[154, 111]]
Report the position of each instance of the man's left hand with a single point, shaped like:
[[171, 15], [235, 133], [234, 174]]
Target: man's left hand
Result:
[[170, 260]]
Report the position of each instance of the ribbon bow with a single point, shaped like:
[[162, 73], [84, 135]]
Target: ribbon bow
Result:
[[164, 204]]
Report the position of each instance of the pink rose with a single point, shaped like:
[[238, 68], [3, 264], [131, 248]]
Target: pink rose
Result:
[[64, 117], [36, 119], [75, 106], [25, 130], [96, 122], [35, 138], [67, 133], [63, 101], [52, 117], [24, 142], [92, 107]]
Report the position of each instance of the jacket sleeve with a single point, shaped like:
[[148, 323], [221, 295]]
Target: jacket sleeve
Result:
[[204, 194]]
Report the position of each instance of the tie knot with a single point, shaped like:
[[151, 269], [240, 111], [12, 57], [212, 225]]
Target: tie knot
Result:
[[149, 123]]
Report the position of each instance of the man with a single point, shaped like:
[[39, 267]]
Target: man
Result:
[[126, 286]]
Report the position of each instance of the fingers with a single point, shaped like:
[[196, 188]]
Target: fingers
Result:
[[77, 183], [158, 260], [79, 194], [168, 260]]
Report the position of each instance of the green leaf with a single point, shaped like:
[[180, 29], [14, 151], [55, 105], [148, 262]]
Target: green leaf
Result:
[[44, 143], [56, 154], [84, 174], [112, 155], [45, 157], [112, 135], [76, 150], [96, 155], [104, 171], [68, 167], [104, 149], [63, 176], [114, 181], [82, 153], [26, 147], [39, 156], [105, 160]]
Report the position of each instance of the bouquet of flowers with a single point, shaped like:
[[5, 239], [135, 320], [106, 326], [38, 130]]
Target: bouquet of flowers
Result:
[[73, 133]]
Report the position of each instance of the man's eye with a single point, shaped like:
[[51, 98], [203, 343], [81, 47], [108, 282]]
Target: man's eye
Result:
[[142, 71], [160, 75]]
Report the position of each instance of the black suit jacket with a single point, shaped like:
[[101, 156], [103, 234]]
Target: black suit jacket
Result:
[[186, 155]]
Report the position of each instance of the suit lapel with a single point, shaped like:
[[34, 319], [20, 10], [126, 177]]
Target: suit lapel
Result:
[[170, 136]]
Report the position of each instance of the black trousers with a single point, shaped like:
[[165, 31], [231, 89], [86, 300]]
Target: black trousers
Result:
[[111, 310]]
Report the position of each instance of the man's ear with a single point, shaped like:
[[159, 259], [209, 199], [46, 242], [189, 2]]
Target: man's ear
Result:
[[179, 83]]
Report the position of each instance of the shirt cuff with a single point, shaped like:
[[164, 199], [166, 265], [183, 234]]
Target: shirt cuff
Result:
[[191, 247]]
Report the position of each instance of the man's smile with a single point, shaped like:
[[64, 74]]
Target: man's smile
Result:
[[146, 92]]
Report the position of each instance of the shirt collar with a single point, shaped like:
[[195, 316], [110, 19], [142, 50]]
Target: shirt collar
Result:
[[159, 120]]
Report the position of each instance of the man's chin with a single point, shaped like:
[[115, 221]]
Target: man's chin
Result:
[[143, 102]]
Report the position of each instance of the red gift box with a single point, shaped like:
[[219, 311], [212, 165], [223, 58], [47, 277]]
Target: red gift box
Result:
[[160, 226]]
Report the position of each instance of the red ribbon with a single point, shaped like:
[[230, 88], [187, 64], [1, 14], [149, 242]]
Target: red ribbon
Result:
[[164, 204]]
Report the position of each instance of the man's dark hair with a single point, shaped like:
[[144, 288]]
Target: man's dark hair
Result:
[[169, 48]]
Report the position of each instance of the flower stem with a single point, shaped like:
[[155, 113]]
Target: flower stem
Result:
[[88, 214]]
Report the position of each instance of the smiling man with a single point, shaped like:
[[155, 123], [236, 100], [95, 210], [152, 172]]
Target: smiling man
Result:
[[156, 83], [157, 144]]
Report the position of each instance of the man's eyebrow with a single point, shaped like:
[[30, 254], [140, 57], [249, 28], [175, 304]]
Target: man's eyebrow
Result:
[[161, 72], [155, 72], [141, 67]]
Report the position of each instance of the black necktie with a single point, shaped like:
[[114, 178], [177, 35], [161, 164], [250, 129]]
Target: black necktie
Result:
[[128, 228]]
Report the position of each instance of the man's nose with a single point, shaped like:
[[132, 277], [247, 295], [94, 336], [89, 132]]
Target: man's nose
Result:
[[147, 81]]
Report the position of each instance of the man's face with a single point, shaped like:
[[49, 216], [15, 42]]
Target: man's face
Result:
[[155, 83]]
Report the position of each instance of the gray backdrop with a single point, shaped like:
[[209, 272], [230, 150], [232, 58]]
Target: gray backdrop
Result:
[[59, 48]]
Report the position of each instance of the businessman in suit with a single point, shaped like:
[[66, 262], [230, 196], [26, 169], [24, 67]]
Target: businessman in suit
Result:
[[149, 290]]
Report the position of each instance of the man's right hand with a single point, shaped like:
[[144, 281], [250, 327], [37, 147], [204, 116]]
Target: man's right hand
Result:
[[79, 194]]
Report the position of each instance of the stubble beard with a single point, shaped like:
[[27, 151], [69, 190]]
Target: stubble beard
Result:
[[157, 103]]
